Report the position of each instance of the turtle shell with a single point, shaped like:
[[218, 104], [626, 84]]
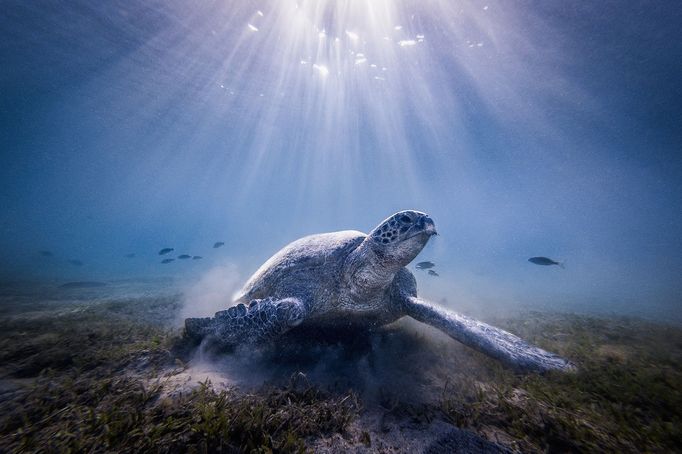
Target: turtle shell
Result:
[[309, 268]]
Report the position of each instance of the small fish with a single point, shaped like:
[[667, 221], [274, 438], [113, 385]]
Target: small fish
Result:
[[433, 273], [425, 265], [130, 256], [545, 261], [218, 244], [197, 257], [76, 262], [166, 250], [45, 253], [184, 256], [167, 260]]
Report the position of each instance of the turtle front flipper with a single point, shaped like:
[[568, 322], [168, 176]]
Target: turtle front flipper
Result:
[[494, 342], [262, 319]]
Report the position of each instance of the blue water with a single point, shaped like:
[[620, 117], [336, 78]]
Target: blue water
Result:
[[523, 128]]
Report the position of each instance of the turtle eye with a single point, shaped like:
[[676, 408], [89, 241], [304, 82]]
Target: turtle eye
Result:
[[405, 218]]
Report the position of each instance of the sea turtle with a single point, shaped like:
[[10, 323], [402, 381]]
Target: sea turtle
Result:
[[350, 279]]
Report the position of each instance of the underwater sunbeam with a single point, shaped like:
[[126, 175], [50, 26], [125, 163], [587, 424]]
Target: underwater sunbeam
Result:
[[157, 153]]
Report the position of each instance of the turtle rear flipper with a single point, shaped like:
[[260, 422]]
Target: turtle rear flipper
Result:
[[495, 342], [262, 319]]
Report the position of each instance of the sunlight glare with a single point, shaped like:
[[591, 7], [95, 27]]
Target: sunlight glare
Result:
[[322, 69], [350, 46]]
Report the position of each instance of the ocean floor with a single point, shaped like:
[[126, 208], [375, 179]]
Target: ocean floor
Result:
[[106, 369]]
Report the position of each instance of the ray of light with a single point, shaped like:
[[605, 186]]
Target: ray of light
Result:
[[339, 96]]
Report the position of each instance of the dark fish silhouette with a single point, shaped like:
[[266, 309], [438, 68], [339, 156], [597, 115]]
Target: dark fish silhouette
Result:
[[218, 244], [45, 253], [166, 250], [433, 273], [83, 284], [197, 257], [130, 256], [76, 262], [545, 261], [425, 265], [167, 260], [184, 256]]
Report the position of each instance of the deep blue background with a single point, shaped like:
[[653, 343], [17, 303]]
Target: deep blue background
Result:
[[126, 128]]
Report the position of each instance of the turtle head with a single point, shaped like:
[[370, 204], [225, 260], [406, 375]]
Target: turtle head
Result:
[[401, 237]]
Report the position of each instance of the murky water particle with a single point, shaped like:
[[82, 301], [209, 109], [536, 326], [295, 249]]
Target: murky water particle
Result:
[[360, 61], [479, 44], [260, 13], [323, 70], [420, 36], [373, 65], [303, 62], [398, 27], [253, 28], [351, 35], [378, 78], [407, 42], [485, 8]]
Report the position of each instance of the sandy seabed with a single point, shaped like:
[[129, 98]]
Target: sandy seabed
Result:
[[106, 369]]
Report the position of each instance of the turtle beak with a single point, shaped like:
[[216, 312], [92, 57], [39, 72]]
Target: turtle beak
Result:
[[426, 225]]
